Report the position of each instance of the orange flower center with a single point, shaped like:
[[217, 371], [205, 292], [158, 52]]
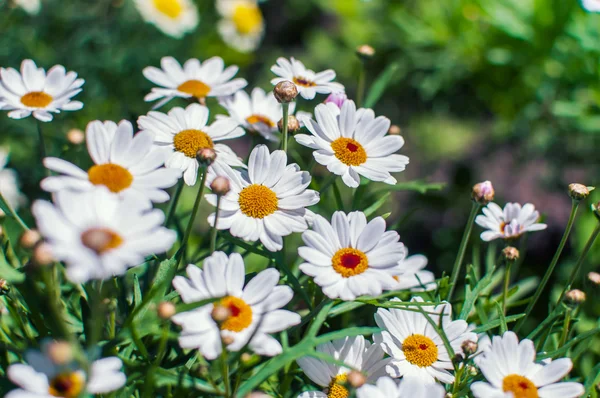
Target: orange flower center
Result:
[[195, 88], [257, 201], [254, 119], [189, 142], [114, 177], [336, 388], [241, 314], [101, 240], [349, 262], [36, 99], [66, 385], [349, 151], [300, 81], [420, 350], [520, 386], [171, 8]]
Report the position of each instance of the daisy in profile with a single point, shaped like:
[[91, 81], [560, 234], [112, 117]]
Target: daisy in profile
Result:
[[31, 7], [98, 235], [510, 370], [356, 352], [307, 82], [9, 183], [34, 92], [411, 274], [127, 165], [258, 113], [386, 387], [254, 309], [174, 17], [266, 202], [591, 5], [242, 26], [352, 143], [195, 79], [183, 132], [417, 350], [44, 378], [509, 223], [350, 257]]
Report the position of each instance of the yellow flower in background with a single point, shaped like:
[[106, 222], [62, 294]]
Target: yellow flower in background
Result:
[[174, 17], [242, 26]]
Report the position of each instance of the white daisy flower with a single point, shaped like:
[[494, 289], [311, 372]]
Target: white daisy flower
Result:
[[417, 350], [257, 113], [509, 223], [411, 274], [591, 5], [32, 91], [195, 80], [127, 165], [98, 235], [386, 387], [350, 257], [32, 7], [511, 371], [242, 26], [174, 17], [255, 309], [356, 352], [183, 132], [353, 142], [9, 183], [45, 379], [307, 82], [267, 202]]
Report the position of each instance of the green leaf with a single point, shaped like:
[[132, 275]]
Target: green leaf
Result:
[[9, 273], [137, 291], [416, 185], [472, 295], [496, 322], [381, 83], [375, 206]]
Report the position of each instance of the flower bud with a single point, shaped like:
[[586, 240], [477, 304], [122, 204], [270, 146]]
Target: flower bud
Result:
[[257, 394], [575, 296], [338, 98], [245, 358], [4, 287], [75, 136], [483, 193], [293, 124], [29, 239], [579, 191], [472, 370], [60, 352], [394, 130], [285, 92], [458, 358], [227, 340], [96, 239], [42, 254], [220, 185], [594, 277], [220, 313], [206, 157], [166, 310], [510, 253], [356, 379], [469, 347], [365, 52]]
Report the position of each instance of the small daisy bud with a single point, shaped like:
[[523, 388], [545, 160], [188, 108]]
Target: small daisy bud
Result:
[[4, 287], [166, 310], [458, 358], [245, 357], [206, 156], [510, 253], [257, 394], [483, 193], [96, 239], [575, 296], [472, 370], [394, 130], [42, 254], [228, 340], [75, 136], [579, 191], [469, 347], [365, 52], [29, 239], [594, 277], [356, 379], [449, 395], [293, 124], [338, 98], [220, 185], [60, 352], [220, 313], [285, 92]]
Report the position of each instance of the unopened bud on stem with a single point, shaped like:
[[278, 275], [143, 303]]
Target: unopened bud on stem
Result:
[[356, 379], [594, 277], [394, 130], [293, 124], [75, 136], [575, 296], [483, 193], [579, 191], [60, 352], [220, 313], [510, 253], [166, 310], [285, 92], [206, 157], [42, 254], [469, 347], [365, 52], [227, 340], [29, 239], [220, 185]]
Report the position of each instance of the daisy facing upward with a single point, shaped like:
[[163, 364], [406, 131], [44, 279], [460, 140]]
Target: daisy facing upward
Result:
[[509, 223], [307, 82]]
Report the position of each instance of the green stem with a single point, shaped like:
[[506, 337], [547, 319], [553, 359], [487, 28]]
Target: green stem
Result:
[[506, 284], [462, 249], [213, 232], [284, 139], [188, 230], [338, 197], [542, 285], [565, 331], [360, 91], [225, 371], [13, 213], [174, 202], [584, 253], [42, 145]]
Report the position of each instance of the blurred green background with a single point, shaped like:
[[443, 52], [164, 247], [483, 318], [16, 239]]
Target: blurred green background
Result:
[[505, 90]]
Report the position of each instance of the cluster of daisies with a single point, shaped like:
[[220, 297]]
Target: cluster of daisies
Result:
[[101, 221]]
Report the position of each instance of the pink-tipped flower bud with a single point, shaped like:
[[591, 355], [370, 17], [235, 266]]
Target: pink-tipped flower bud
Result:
[[510, 253], [42, 254], [257, 394], [365, 52], [227, 340], [338, 98], [206, 157], [60, 352], [220, 185], [483, 193], [29, 239], [356, 379], [220, 313], [579, 191], [285, 92], [4, 287], [293, 124], [394, 130], [575, 296], [469, 347], [594, 277], [166, 310], [75, 136]]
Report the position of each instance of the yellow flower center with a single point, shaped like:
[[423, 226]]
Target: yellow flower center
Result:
[[349, 262], [114, 177], [254, 119], [195, 88], [66, 385], [349, 151], [520, 386], [247, 18], [189, 142], [257, 201], [241, 314], [171, 8], [101, 240], [336, 388], [36, 99], [301, 81], [420, 350]]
